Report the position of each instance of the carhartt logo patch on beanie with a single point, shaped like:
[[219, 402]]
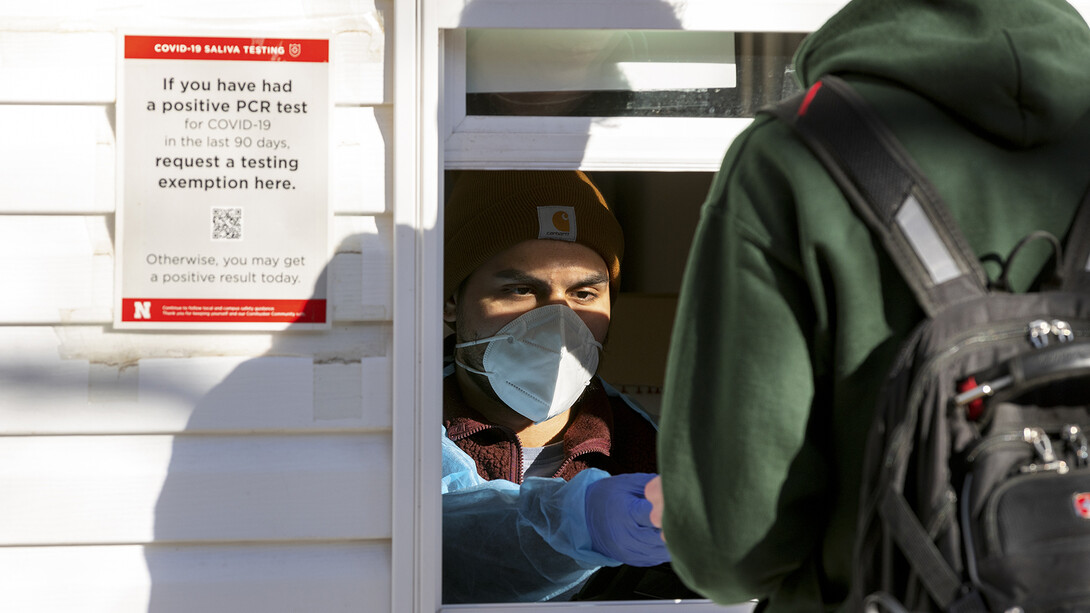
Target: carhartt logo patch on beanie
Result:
[[490, 211], [557, 223]]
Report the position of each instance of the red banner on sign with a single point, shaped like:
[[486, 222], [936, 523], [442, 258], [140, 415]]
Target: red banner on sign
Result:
[[234, 49], [217, 310]]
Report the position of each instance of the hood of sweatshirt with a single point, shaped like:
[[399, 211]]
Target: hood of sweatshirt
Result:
[[1018, 70]]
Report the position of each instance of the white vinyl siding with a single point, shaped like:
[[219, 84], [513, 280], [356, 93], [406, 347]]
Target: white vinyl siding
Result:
[[186, 471]]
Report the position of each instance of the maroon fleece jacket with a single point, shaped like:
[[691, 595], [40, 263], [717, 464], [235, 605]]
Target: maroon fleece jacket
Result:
[[605, 433]]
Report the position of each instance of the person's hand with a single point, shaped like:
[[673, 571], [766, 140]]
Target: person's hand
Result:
[[619, 520], [653, 492]]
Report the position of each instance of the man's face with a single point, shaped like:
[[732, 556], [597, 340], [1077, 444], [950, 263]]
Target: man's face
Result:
[[532, 274]]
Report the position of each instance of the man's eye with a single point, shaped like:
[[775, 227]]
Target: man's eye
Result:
[[521, 291], [585, 294]]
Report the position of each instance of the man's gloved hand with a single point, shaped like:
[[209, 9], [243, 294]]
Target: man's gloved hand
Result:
[[619, 520]]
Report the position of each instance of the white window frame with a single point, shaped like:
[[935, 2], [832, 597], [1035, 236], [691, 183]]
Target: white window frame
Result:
[[603, 144], [565, 143], [434, 134]]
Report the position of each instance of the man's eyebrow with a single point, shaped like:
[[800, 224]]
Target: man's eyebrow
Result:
[[593, 279], [514, 275]]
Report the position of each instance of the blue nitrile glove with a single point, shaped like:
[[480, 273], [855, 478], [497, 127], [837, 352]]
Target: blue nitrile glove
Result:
[[619, 520]]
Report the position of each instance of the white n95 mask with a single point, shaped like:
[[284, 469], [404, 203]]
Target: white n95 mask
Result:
[[540, 362]]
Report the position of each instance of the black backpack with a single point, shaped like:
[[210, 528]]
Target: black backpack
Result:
[[976, 478]]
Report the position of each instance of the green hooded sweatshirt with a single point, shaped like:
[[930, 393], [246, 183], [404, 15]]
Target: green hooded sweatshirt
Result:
[[790, 315]]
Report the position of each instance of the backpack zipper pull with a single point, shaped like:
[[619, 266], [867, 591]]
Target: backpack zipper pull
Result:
[[1075, 438], [1043, 445], [983, 390], [1039, 331], [1061, 330]]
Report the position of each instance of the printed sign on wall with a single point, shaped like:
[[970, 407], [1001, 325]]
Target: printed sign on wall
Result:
[[223, 220]]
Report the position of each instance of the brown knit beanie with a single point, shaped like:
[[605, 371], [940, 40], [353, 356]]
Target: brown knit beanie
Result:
[[490, 211]]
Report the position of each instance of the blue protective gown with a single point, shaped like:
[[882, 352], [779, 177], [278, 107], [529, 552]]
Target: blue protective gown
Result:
[[515, 543]]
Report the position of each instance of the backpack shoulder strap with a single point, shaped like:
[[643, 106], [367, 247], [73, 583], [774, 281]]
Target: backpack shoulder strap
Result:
[[888, 191]]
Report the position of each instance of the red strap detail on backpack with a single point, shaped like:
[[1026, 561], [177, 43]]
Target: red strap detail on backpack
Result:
[[975, 408], [809, 98]]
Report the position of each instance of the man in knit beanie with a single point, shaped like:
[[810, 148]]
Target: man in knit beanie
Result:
[[543, 463]]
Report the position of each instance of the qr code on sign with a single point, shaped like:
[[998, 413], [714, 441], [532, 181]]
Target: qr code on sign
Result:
[[226, 224]]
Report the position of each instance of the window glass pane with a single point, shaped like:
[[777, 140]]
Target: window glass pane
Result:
[[610, 73]]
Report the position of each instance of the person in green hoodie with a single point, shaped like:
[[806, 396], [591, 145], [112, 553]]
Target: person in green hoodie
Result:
[[790, 313]]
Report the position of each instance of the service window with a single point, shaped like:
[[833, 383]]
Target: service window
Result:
[[646, 102], [618, 99]]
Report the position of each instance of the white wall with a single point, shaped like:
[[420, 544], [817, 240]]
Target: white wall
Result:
[[186, 471]]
